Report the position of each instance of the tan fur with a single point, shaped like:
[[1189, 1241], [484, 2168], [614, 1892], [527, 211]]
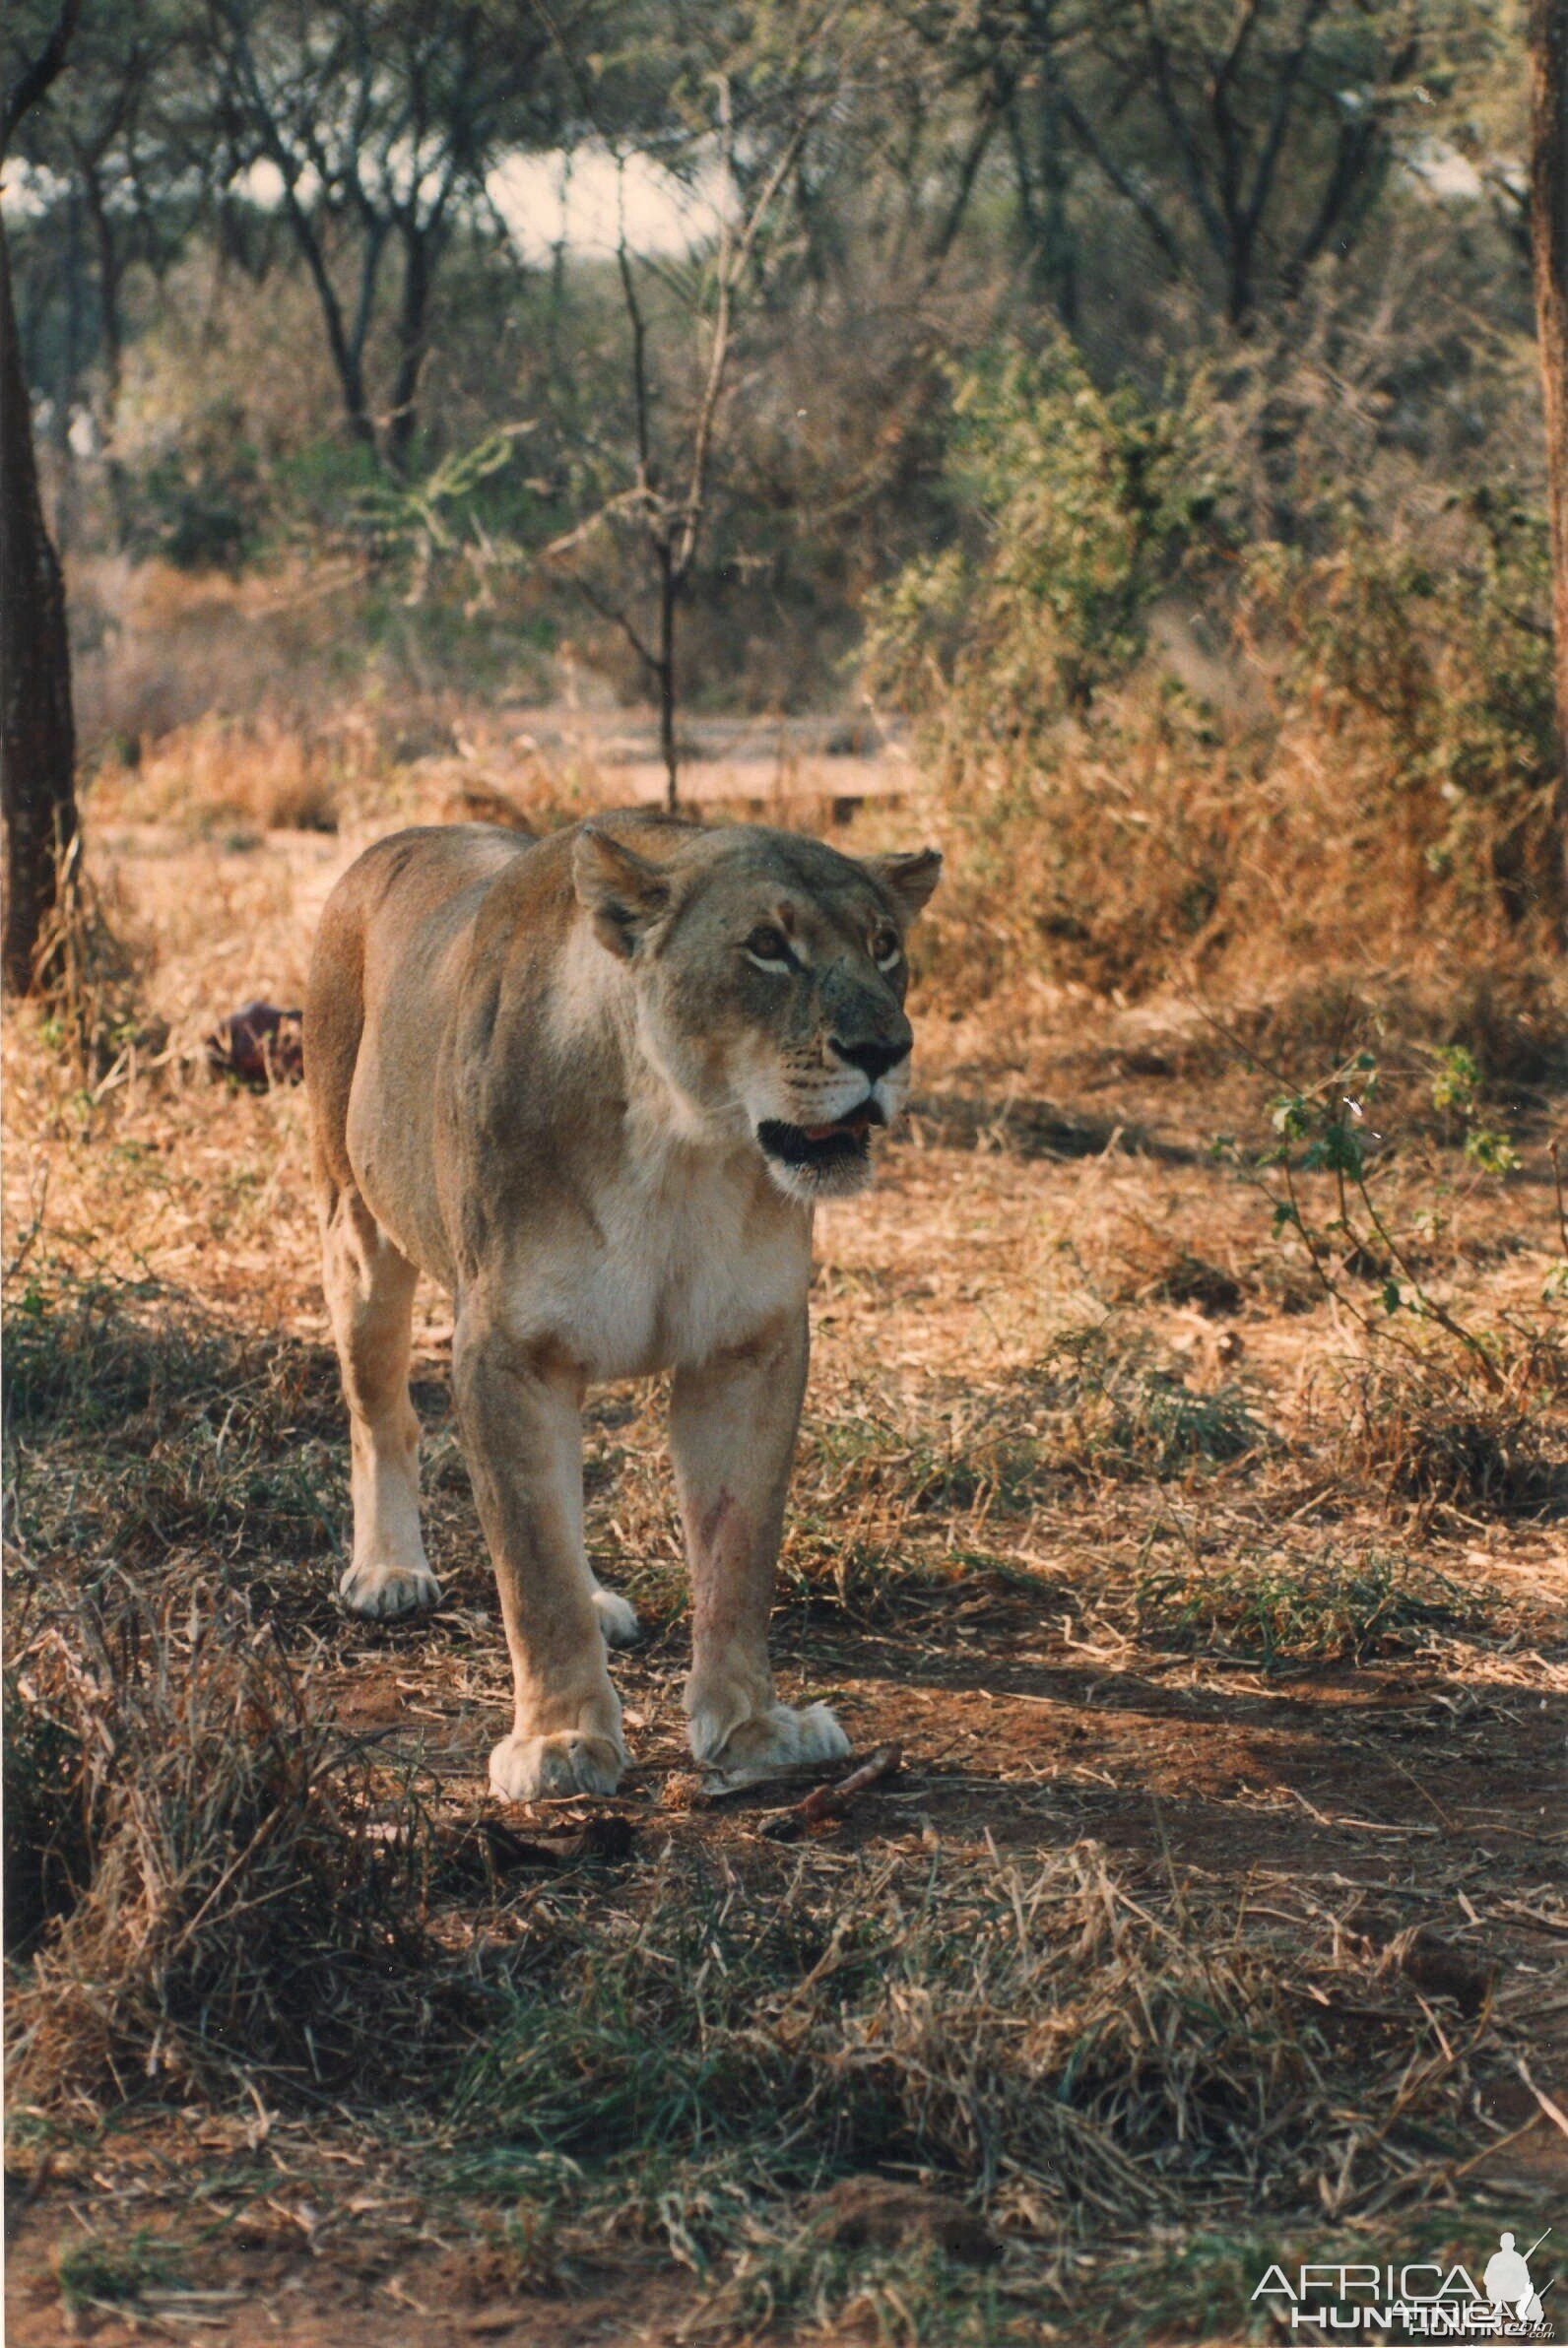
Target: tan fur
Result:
[[592, 1085]]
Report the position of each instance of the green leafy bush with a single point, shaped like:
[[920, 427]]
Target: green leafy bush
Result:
[[1077, 508], [1156, 756]]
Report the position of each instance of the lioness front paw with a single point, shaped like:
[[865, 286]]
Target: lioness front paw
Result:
[[779, 1739], [381, 1591], [552, 1768], [618, 1618]]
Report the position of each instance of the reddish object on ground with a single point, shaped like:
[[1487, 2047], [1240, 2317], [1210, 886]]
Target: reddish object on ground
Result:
[[259, 1044], [826, 1802]]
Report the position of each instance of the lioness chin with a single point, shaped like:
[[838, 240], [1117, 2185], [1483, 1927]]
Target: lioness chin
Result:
[[593, 1085]]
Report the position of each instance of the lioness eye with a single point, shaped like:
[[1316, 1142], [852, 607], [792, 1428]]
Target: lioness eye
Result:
[[771, 946], [885, 948]]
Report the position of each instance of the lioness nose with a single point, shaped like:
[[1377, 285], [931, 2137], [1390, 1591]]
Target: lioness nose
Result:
[[873, 1058]]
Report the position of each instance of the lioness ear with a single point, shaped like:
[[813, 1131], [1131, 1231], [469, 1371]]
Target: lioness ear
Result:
[[622, 891], [909, 879]]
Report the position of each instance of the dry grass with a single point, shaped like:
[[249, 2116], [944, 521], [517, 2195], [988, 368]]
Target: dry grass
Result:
[[215, 773], [239, 1918], [1280, 1614], [1052, 2035], [1418, 1434]]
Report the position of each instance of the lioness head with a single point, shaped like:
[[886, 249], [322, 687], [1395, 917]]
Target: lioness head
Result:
[[770, 975]]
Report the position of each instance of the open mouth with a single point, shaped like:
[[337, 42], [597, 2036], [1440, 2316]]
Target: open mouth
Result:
[[820, 1146]]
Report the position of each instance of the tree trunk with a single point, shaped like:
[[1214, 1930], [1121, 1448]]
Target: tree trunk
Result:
[[37, 735], [110, 269], [664, 672], [347, 352], [67, 376], [412, 343], [1548, 45], [109, 273]]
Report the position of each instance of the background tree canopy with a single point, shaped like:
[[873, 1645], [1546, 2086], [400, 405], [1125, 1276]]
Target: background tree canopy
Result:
[[681, 344]]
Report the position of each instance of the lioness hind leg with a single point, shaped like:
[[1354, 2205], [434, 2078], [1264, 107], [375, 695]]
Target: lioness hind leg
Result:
[[618, 1617], [369, 1285]]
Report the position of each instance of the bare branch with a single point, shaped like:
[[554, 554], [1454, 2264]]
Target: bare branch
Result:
[[37, 76], [734, 261], [941, 245], [1176, 121], [1280, 119], [639, 349], [1088, 139], [616, 618]]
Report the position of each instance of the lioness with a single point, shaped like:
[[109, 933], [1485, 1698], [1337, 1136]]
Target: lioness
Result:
[[593, 1086]]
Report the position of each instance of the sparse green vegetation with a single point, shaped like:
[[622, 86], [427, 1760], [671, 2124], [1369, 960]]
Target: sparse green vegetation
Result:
[[1114, 1408], [101, 2272], [1035, 2033], [1284, 1614]]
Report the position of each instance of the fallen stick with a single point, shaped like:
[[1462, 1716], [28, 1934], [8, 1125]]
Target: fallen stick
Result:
[[825, 1803]]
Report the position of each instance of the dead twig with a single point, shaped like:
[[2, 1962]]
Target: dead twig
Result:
[[827, 1803], [1553, 2111]]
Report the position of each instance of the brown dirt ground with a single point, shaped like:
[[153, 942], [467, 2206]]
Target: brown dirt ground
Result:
[[1035, 1186]]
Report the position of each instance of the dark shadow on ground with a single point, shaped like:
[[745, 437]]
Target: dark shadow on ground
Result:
[[1022, 1126]]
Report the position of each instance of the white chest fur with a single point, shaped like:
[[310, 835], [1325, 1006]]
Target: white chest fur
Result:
[[686, 1257]]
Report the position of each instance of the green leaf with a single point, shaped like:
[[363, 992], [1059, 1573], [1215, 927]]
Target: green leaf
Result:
[[1494, 1151]]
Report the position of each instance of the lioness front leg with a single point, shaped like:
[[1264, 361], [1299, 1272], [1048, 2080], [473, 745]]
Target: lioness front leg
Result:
[[519, 1404], [732, 1424]]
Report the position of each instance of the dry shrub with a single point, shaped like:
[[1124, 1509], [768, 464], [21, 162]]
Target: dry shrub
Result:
[[242, 1914], [156, 649], [1154, 853], [258, 771], [1511, 1017], [1112, 1406], [1121, 817], [47, 1857], [1095, 861], [88, 979], [1420, 1430], [289, 697]]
